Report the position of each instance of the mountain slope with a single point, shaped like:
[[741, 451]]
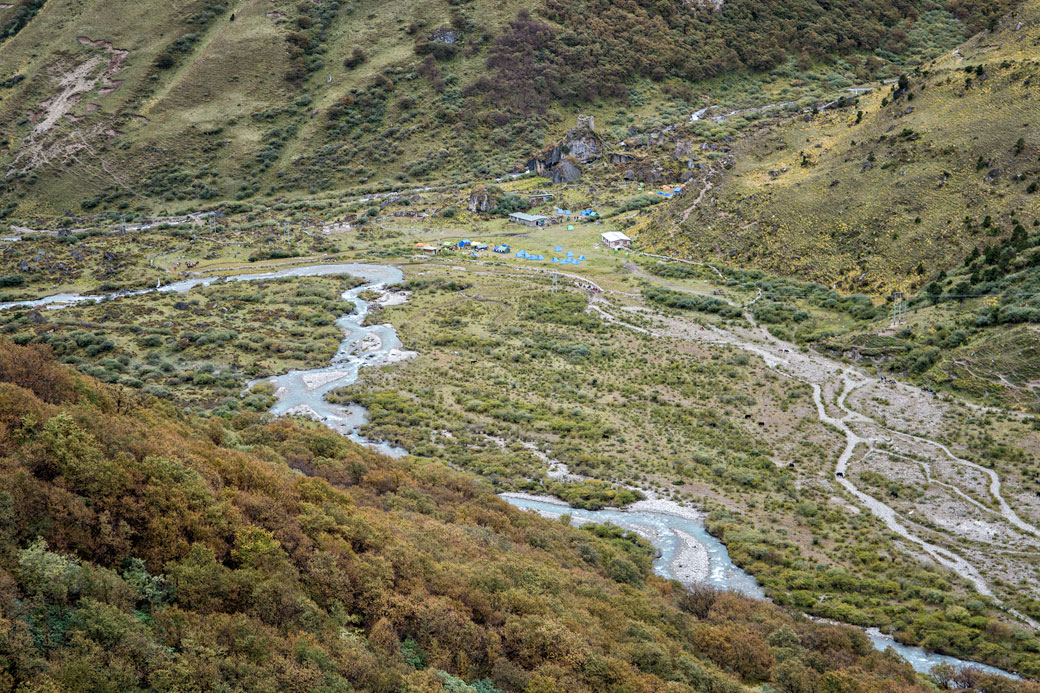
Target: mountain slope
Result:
[[885, 199], [128, 107], [143, 549]]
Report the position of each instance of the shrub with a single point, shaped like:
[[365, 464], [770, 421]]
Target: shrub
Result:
[[163, 61], [356, 58], [639, 202], [511, 203]]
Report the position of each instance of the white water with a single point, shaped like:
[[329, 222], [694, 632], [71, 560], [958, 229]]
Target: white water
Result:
[[665, 531], [669, 532]]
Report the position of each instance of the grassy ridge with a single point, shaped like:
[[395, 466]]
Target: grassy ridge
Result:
[[885, 194]]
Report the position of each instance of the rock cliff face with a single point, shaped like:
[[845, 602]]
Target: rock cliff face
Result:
[[583, 145], [655, 158], [481, 200], [565, 172]]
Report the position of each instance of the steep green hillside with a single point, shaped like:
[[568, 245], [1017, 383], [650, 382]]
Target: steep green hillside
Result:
[[884, 194], [133, 107], [144, 550]]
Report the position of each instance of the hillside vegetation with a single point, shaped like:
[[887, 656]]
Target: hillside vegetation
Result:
[[885, 193], [143, 549], [930, 187], [129, 107]]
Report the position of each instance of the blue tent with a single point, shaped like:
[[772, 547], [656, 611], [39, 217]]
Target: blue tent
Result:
[[570, 253], [558, 248], [556, 260], [582, 257]]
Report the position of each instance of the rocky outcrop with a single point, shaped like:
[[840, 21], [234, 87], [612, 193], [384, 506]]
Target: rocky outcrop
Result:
[[481, 201], [543, 165], [565, 172], [446, 36], [562, 161], [583, 145]]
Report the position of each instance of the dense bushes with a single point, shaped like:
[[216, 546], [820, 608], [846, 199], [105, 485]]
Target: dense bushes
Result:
[[510, 203], [939, 623], [684, 301], [207, 359], [21, 15], [306, 44], [593, 495], [1008, 270], [594, 47], [566, 309], [639, 202]]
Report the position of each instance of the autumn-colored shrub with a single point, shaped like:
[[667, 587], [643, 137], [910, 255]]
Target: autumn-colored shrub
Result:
[[144, 548]]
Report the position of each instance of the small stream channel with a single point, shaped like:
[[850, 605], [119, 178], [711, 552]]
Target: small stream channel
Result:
[[302, 392], [686, 551]]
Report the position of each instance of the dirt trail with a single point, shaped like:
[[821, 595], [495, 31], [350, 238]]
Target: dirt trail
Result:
[[927, 469], [884, 512], [708, 185]]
